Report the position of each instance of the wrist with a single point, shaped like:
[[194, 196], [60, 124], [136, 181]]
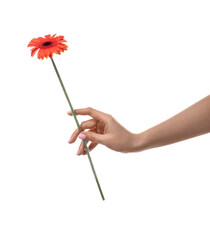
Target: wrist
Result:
[[139, 142]]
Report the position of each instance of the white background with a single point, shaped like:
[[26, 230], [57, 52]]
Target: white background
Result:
[[142, 62]]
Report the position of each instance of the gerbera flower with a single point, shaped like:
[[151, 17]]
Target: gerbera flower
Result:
[[47, 46]]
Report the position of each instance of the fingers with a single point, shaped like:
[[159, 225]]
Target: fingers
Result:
[[88, 135], [81, 148], [84, 125], [92, 136], [89, 111], [73, 137], [91, 147]]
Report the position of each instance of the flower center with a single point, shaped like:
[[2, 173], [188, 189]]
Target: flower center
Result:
[[47, 43]]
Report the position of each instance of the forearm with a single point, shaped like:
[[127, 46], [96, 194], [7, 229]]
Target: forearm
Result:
[[191, 122]]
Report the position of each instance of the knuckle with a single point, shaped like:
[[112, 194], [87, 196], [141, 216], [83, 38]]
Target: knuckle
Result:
[[109, 116], [89, 109]]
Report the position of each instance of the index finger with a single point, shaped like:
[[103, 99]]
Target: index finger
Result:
[[91, 112]]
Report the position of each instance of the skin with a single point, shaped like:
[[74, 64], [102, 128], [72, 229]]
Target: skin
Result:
[[104, 129]]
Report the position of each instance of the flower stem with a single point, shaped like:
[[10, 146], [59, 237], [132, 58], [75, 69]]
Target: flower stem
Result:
[[79, 128]]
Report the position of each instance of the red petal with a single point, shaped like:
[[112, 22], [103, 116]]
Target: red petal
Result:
[[33, 51], [63, 40], [39, 55]]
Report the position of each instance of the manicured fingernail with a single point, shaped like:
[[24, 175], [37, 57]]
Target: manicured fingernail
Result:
[[69, 112], [77, 152], [82, 136], [69, 140]]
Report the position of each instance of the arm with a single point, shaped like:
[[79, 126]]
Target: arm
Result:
[[105, 129], [191, 122]]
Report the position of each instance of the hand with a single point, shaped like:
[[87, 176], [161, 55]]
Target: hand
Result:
[[103, 129]]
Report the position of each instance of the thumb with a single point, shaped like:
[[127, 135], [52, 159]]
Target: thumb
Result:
[[91, 136]]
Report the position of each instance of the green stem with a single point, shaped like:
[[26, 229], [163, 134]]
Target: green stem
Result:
[[79, 128]]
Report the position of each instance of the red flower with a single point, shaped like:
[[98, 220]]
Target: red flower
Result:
[[47, 46]]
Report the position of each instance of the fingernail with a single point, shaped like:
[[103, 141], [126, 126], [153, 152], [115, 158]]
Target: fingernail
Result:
[[69, 140], [77, 152], [69, 112], [82, 136]]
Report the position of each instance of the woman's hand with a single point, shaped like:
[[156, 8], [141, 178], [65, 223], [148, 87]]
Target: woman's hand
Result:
[[103, 129]]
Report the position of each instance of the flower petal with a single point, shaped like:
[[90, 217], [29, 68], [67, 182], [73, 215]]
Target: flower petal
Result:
[[33, 51], [40, 53]]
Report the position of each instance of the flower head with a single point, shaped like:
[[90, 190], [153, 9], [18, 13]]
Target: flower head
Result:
[[47, 46]]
